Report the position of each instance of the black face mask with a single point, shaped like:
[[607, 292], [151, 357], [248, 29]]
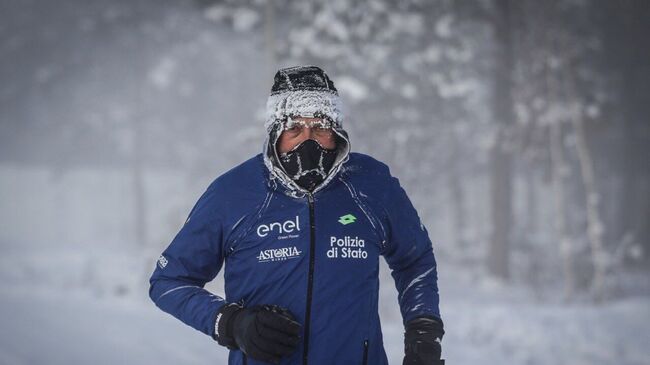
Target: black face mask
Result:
[[308, 163]]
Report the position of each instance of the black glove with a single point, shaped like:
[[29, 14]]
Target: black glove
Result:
[[263, 332], [422, 341]]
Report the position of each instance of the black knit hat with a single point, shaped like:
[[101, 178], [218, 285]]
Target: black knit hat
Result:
[[302, 78]]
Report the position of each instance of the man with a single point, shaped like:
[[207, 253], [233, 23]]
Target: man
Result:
[[300, 228]]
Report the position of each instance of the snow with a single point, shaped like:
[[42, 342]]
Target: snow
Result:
[[161, 75], [432, 54], [80, 75], [328, 22], [408, 23], [47, 317], [409, 91], [488, 324], [243, 19], [453, 89], [443, 26], [351, 88], [61, 327]]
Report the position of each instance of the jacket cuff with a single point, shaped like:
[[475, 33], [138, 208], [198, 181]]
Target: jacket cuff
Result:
[[223, 333], [426, 324]]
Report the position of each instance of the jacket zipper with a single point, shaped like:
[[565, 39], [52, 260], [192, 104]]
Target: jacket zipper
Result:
[[365, 352], [245, 359], [310, 277]]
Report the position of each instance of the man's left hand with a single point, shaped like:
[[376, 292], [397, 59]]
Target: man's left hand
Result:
[[422, 342]]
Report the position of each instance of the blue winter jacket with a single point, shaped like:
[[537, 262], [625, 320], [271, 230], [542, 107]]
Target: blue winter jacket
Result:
[[316, 254]]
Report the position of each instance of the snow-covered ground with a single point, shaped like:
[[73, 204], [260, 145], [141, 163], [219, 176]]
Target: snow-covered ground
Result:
[[73, 308]]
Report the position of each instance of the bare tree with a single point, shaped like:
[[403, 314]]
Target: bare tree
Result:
[[500, 154]]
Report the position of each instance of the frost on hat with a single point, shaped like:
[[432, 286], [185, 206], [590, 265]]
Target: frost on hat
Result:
[[306, 91]]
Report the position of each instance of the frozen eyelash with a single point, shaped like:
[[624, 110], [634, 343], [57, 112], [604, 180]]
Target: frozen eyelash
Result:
[[322, 124]]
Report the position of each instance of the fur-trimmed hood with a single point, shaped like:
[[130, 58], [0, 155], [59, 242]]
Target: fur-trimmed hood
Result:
[[302, 91]]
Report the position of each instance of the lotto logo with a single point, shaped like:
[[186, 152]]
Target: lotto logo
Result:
[[347, 219]]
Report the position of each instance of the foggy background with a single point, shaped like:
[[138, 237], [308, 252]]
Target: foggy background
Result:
[[519, 129]]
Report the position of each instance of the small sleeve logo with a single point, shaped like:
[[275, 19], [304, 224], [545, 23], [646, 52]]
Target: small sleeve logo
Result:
[[162, 261]]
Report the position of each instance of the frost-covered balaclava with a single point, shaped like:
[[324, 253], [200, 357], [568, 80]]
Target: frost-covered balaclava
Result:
[[304, 91]]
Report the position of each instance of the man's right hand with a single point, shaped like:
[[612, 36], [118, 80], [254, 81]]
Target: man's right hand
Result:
[[263, 332]]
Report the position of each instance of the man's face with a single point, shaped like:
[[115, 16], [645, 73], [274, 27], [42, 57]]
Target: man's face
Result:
[[299, 129]]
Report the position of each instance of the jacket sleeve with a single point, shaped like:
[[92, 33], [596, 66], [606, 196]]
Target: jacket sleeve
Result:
[[409, 254], [192, 259]]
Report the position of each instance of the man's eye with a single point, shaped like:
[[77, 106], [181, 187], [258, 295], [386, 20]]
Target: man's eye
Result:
[[322, 130], [294, 129]]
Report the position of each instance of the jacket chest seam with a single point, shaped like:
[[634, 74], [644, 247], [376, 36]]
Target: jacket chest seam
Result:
[[232, 246], [377, 226]]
